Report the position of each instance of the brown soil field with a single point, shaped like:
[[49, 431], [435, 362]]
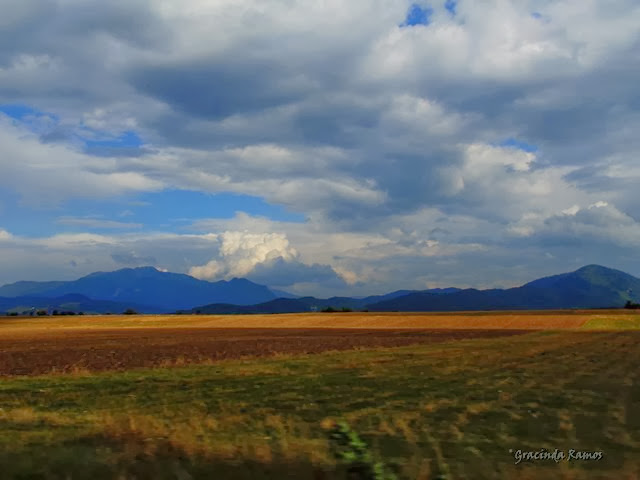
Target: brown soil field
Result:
[[30, 346], [107, 349]]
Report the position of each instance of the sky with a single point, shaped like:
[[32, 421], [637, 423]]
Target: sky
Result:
[[322, 148]]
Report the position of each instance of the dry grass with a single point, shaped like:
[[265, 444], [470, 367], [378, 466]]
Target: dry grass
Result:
[[230, 435], [31, 416], [11, 327]]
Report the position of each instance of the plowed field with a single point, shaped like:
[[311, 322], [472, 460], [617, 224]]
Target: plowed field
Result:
[[110, 349], [30, 346]]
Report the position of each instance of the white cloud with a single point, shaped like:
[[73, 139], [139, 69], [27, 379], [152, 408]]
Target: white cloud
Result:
[[600, 224], [240, 252], [48, 173], [572, 210], [73, 241], [484, 157]]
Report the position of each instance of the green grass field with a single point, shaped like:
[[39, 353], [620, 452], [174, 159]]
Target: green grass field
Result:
[[450, 410]]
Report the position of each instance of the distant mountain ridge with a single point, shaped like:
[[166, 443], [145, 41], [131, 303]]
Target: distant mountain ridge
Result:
[[72, 302], [27, 288], [147, 286], [149, 290], [592, 286], [307, 304]]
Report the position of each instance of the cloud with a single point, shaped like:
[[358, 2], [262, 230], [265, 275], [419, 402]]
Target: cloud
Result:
[[266, 258], [69, 256], [240, 252], [281, 273], [97, 223], [49, 173], [599, 223], [131, 259]]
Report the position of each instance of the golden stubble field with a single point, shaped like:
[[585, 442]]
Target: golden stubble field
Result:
[[528, 320]]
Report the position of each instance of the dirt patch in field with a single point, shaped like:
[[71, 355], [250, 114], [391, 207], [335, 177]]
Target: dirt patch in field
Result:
[[95, 350]]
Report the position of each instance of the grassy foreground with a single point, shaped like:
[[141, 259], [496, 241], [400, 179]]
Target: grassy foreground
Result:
[[456, 410]]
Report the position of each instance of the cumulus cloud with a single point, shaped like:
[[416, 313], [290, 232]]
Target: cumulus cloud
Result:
[[267, 258], [240, 252]]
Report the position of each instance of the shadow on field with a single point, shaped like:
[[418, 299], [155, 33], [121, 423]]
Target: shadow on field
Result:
[[101, 457]]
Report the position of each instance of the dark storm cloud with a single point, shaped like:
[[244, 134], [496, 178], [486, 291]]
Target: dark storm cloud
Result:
[[217, 89], [284, 273]]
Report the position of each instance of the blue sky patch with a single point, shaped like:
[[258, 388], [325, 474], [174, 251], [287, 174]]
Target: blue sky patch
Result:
[[25, 114], [180, 208], [18, 111], [450, 6], [127, 139], [21, 220], [94, 142], [167, 211], [417, 16], [35, 120], [519, 144], [128, 143]]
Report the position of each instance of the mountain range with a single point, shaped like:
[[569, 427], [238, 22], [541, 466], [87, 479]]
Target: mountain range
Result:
[[592, 286], [148, 290]]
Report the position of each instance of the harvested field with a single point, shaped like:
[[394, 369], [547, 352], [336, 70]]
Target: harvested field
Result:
[[389, 320], [44, 351]]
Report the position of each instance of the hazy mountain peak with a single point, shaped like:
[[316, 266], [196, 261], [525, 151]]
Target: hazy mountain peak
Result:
[[600, 270], [593, 266]]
